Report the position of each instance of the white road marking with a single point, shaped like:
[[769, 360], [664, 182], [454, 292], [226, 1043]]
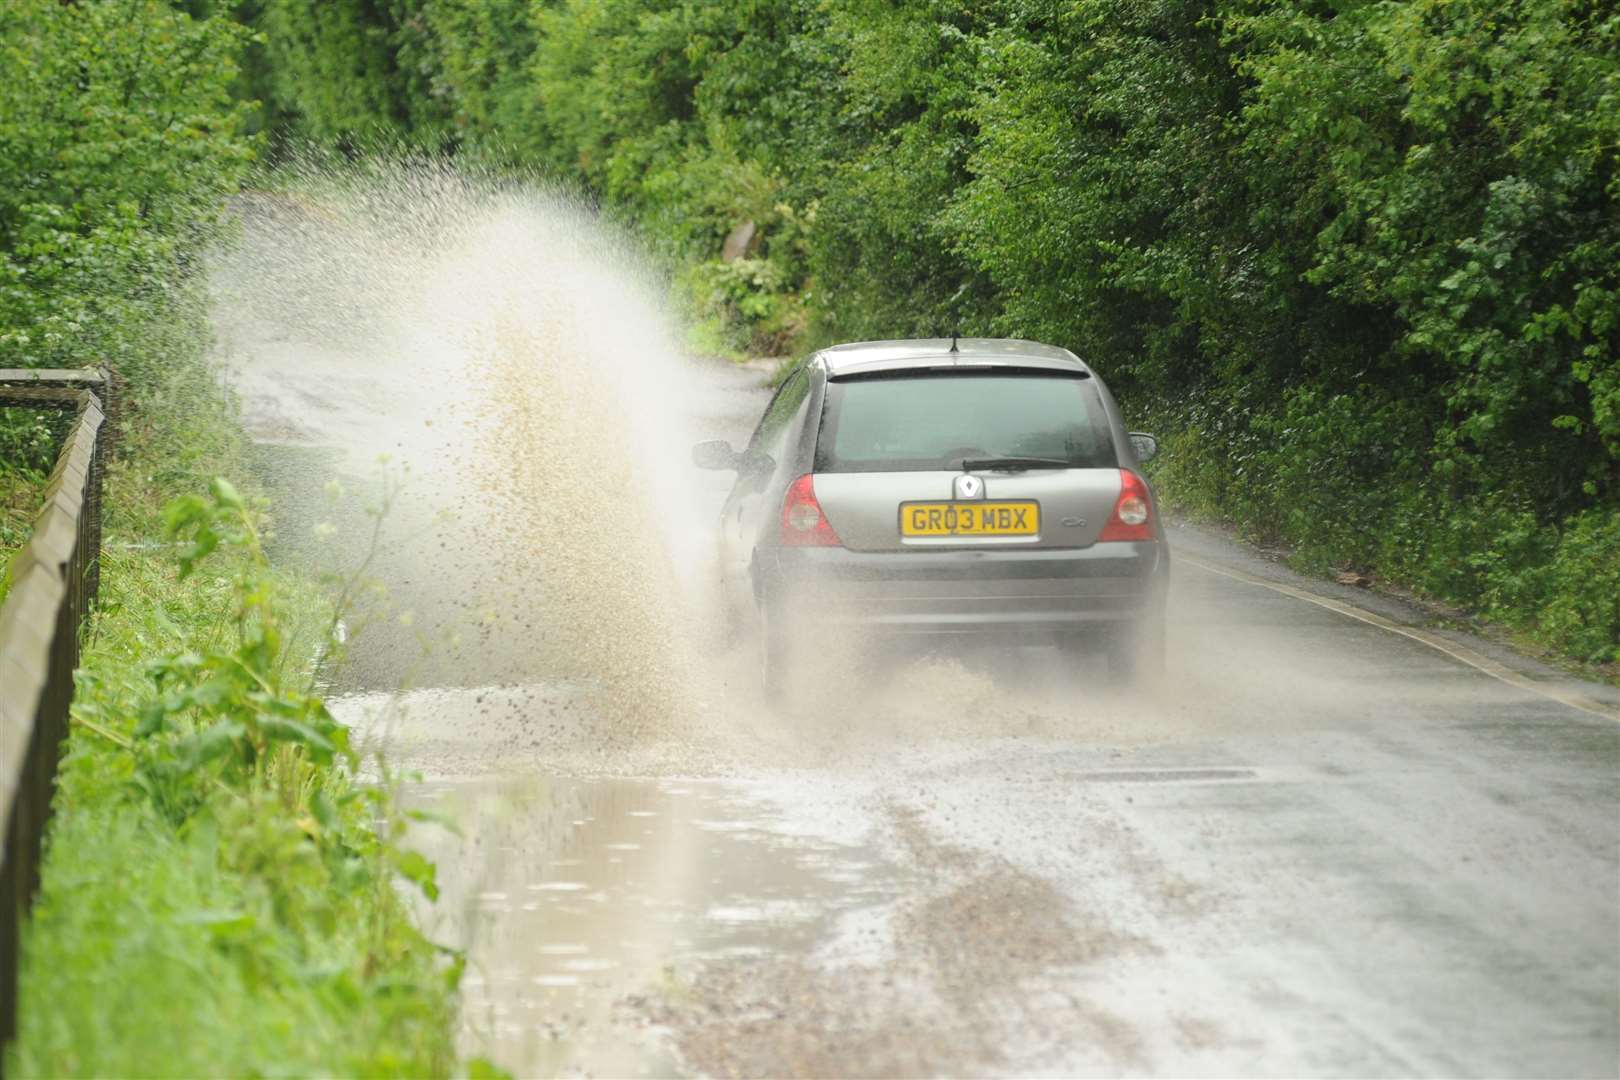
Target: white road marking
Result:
[[1457, 652]]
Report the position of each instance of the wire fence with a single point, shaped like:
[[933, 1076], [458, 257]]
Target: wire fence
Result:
[[53, 581]]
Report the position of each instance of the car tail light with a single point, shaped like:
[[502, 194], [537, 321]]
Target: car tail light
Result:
[[1132, 518], [803, 523]]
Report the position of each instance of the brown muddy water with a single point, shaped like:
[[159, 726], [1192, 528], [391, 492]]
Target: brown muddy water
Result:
[[596, 897]]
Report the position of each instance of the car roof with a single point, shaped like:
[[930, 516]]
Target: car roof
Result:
[[873, 356]]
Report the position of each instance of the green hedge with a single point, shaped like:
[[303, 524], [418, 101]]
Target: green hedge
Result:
[[119, 137]]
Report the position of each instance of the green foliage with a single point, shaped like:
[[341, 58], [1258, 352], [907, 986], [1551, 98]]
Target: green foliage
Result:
[[219, 892], [21, 493], [351, 70], [746, 305], [29, 439], [1576, 594], [232, 706], [484, 53], [118, 139], [1461, 182]]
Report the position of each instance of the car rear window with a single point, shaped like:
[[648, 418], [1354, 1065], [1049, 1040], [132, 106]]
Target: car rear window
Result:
[[934, 421]]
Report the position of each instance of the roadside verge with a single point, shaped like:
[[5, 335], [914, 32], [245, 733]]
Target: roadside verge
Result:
[[220, 895]]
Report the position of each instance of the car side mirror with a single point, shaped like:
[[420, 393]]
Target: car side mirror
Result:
[[717, 454], [1145, 446], [755, 463]]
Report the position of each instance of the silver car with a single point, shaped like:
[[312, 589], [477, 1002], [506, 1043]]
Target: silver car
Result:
[[944, 489]]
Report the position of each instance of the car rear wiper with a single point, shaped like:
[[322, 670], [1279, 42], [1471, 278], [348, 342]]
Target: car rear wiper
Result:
[[1014, 463]]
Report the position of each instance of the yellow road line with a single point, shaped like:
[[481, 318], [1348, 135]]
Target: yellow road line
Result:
[[1457, 652]]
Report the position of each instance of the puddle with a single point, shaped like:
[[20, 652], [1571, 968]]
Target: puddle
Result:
[[577, 898]]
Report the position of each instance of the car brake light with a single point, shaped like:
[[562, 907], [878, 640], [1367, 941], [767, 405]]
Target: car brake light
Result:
[[803, 523], [1132, 518]]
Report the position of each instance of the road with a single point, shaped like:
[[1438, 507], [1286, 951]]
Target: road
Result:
[[1321, 846]]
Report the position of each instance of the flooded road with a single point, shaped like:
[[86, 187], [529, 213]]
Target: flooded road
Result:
[[1335, 882], [1320, 847]]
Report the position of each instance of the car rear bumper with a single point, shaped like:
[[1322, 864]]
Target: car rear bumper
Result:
[[1041, 592]]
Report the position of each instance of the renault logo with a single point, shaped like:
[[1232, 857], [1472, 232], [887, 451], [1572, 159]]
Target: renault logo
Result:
[[968, 486]]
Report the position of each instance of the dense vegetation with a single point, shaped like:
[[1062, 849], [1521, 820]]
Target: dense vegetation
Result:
[[217, 898], [1359, 261]]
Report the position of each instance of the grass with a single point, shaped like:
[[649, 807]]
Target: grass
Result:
[[220, 895], [218, 950], [20, 496]]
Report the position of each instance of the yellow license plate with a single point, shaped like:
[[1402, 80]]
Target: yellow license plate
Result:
[[970, 519]]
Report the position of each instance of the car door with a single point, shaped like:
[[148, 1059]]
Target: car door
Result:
[[755, 498]]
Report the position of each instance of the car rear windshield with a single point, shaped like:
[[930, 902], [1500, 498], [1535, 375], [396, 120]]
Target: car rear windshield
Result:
[[935, 421]]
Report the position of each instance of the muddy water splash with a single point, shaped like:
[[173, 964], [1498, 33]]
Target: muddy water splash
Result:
[[504, 353], [509, 355]]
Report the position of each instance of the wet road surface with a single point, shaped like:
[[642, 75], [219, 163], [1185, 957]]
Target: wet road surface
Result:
[[1319, 847], [1247, 875]]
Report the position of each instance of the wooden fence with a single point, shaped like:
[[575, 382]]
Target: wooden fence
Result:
[[53, 581]]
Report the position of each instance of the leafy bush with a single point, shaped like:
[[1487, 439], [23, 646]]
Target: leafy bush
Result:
[[119, 140], [1577, 606], [349, 70]]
